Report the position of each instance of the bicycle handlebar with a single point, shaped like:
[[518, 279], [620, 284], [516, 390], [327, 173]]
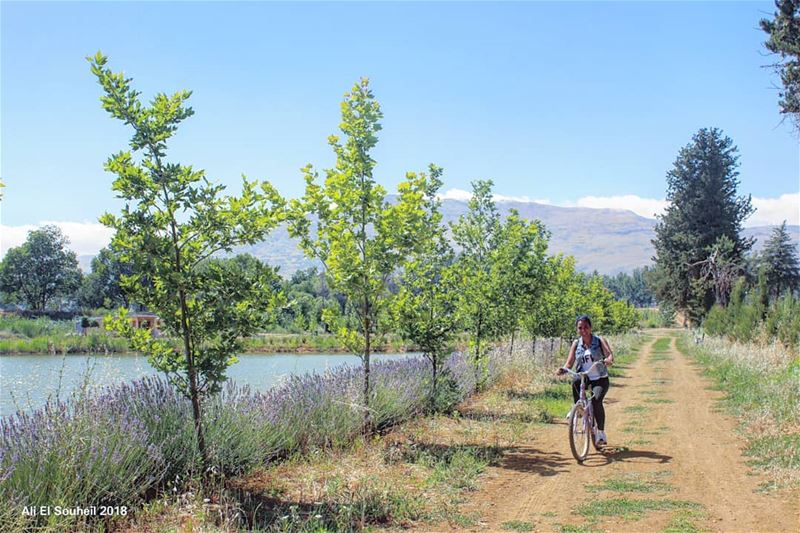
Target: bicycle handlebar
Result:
[[577, 374]]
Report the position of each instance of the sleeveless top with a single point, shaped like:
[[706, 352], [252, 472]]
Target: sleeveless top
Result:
[[586, 356]]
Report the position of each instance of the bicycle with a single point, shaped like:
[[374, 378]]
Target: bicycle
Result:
[[581, 418]]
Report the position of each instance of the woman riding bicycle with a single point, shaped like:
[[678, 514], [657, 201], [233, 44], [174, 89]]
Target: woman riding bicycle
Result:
[[589, 349]]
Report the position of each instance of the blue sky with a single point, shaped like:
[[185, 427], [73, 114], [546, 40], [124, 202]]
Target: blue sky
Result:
[[568, 103]]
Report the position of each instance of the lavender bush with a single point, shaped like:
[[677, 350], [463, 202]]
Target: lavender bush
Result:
[[120, 445]]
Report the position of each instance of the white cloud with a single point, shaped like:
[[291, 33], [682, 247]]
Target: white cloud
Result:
[[646, 207], [456, 194], [464, 196], [775, 210], [85, 238]]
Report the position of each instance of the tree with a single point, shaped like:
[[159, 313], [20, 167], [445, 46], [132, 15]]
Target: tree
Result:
[[779, 262], [720, 269], [500, 268], [173, 222], [784, 39], [426, 303], [359, 237], [701, 188], [477, 234], [631, 287], [40, 270], [517, 267], [103, 286]]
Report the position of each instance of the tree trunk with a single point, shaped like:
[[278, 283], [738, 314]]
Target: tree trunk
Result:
[[194, 392], [366, 374], [511, 348], [435, 377]]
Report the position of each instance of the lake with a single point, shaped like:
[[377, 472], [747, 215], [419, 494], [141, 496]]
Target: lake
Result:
[[26, 381]]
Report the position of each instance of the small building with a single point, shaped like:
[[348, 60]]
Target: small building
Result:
[[139, 320]]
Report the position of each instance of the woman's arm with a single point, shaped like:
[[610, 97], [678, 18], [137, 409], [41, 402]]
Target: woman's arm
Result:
[[609, 359], [571, 356]]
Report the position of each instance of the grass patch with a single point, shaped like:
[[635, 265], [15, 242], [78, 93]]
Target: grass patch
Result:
[[635, 409], [553, 403], [781, 451], [640, 442], [632, 509], [683, 522], [573, 528], [464, 520], [461, 468], [658, 400], [631, 483], [517, 525], [662, 344]]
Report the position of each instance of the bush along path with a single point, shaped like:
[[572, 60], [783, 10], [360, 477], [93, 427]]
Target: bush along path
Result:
[[675, 463]]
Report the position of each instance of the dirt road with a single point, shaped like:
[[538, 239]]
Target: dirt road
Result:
[[674, 463]]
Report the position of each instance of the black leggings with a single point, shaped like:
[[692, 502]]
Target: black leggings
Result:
[[599, 389]]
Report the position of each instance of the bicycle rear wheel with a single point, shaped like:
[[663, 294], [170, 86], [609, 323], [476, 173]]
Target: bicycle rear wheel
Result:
[[579, 434]]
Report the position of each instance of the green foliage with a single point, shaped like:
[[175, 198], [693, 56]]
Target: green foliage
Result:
[[779, 263], [103, 287], [784, 39], [704, 207], [748, 319], [174, 220], [631, 287], [360, 238], [41, 270], [632, 509], [425, 307], [308, 295], [501, 271]]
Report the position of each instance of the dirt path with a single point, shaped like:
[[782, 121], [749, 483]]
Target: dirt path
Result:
[[669, 447]]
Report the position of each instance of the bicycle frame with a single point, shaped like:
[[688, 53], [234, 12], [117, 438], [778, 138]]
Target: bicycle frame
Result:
[[584, 406], [585, 402]]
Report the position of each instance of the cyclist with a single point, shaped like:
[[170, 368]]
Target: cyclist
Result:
[[588, 349]]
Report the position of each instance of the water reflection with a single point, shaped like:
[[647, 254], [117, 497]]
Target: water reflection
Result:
[[26, 381]]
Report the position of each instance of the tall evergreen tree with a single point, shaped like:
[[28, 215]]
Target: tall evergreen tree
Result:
[[779, 262], [704, 207], [784, 39]]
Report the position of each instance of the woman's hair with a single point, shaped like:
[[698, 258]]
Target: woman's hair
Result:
[[584, 318]]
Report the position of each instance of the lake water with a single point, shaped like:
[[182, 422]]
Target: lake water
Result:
[[26, 381]]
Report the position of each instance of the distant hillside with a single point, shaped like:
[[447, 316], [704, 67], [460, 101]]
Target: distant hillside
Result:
[[606, 240]]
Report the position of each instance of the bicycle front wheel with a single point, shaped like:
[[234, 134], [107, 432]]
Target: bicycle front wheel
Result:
[[579, 434]]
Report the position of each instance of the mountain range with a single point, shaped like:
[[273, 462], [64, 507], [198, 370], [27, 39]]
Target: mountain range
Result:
[[607, 240]]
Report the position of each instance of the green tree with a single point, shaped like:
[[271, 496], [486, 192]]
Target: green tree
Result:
[[41, 270], [701, 188], [779, 263], [631, 287], [555, 314], [426, 303], [359, 236], [103, 286], [500, 268], [784, 40], [518, 270], [477, 235], [173, 222]]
